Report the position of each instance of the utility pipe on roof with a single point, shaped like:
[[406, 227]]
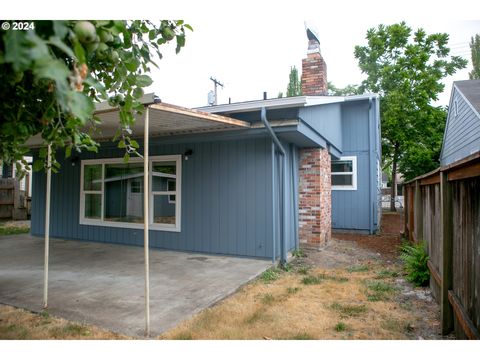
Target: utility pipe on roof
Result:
[[146, 219], [47, 226], [283, 251]]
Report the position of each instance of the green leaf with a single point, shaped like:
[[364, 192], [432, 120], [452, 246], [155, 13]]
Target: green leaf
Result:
[[121, 144], [17, 50], [68, 151], [80, 105], [126, 157], [60, 28], [144, 80], [51, 69], [134, 144], [62, 46], [132, 65], [37, 165]]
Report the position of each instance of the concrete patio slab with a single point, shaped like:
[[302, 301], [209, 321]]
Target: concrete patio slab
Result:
[[103, 284]]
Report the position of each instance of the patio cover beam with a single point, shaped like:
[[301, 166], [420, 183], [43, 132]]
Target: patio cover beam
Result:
[[47, 227], [146, 218]]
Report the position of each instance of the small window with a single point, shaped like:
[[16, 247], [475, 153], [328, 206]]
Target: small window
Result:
[[344, 173]]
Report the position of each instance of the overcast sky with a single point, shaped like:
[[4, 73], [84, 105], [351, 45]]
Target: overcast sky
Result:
[[250, 45], [250, 58]]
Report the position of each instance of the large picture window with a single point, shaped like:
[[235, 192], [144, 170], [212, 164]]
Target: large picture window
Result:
[[112, 193], [344, 173]]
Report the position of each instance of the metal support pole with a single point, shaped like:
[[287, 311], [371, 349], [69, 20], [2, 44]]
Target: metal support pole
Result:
[[47, 227], [146, 219]]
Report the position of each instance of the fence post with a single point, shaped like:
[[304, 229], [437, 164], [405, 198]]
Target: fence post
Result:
[[418, 212], [406, 192], [447, 252]]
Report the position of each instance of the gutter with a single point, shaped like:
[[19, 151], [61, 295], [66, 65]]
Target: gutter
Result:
[[281, 150]]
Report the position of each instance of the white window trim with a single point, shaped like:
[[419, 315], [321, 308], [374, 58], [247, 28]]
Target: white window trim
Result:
[[353, 173], [152, 226]]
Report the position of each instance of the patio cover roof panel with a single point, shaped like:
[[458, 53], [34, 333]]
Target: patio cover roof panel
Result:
[[165, 120]]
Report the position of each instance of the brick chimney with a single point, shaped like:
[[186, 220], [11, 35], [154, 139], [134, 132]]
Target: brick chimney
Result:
[[315, 199], [314, 69]]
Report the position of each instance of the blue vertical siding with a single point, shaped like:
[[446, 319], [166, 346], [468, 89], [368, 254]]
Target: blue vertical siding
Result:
[[226, 200], [462, 132], [358, 209], [327, 120]]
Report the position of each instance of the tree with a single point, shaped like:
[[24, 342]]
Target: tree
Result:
[[347, 90], [406, 71], [52, 74], [294, 87], [475, 50]]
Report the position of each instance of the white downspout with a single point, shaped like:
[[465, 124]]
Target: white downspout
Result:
[[47, 227], [146, 219]]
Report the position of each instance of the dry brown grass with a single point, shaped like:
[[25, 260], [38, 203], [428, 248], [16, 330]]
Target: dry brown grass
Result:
[[289, 308], [18, 324]]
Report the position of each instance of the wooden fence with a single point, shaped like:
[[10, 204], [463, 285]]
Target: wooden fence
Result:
[[13, 201], [443, 209]]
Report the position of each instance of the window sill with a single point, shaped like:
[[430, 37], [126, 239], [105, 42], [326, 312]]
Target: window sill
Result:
[[344, 188], [151, 226]]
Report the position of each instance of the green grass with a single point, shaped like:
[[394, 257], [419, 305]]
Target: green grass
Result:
[[348, 310], [384, 274], [303, 336], [270, 275], [74, 330], [358, 268], [292, 290], [287, 267], [268, 299], [311, 280], [13, 230], [341, 326], [303, 270], [183, 336], [298, 253], [379, 290]]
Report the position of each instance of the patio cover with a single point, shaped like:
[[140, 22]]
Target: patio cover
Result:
[[165, 120]]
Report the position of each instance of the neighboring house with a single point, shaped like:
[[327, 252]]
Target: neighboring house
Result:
[[246, 179], [387, 191], [462, 131]]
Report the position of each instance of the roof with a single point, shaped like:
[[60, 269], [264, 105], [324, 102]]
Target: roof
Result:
[[286, 102], [471, 90]]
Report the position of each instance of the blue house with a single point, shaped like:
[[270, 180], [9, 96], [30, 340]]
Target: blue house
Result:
[[246, 179], [462, 131]]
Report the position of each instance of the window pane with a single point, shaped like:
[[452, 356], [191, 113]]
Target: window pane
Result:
[[342, 180], [342, 166], [164, 176], [93, 206], [92, 177], [163, 210], [124, 192]]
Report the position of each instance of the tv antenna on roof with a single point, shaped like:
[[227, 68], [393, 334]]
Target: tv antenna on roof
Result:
[[212, 97]]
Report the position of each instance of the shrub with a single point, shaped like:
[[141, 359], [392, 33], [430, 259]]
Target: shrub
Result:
[[415, 257]]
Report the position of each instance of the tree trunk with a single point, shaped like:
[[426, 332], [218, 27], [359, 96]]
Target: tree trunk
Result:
[[393, 191]]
